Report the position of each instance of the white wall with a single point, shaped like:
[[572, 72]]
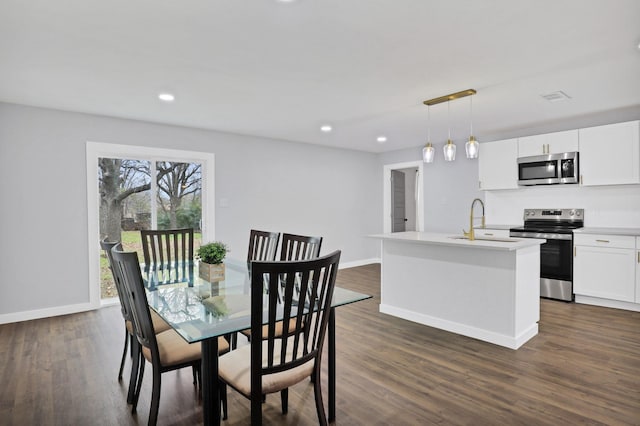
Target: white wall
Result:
[[268, 184], [605, 206], [449, 187]]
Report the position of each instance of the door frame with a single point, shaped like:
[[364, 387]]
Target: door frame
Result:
[[386, 197], [95, 150]]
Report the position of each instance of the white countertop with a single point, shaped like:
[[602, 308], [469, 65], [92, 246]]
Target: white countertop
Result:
[[633, 232], [501, 227], [509, 244]]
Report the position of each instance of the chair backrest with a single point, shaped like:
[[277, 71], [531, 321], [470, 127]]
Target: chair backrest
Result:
[[309, 305], [169, 252], [127, 271], [124, 302], [263, 245], [299, 247]]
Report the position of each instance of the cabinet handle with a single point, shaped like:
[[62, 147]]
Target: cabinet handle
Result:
[[639, 257], [488, 234], [479, 184], [603, 241], [581, 180], [574, 251]]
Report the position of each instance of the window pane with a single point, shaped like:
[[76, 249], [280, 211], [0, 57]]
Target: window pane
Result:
[[125, 208], [179, 198]]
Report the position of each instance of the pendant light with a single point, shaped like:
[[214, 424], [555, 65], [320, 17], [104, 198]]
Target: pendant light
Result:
[[428, 152], [472, 146], [450, 148]]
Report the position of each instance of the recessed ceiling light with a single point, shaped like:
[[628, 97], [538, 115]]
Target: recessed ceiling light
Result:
[[381, 139], [326, 128], [166, 97]]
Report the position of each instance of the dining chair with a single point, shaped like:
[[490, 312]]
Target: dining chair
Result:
[[263, 245], [168, 253], [273, 364], [294, 247], [159, 324], [166, 351], [299, 247]]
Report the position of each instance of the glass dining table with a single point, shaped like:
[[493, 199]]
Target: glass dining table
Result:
[[202, 311]]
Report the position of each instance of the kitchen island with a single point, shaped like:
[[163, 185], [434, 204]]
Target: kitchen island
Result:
[[488, 288]]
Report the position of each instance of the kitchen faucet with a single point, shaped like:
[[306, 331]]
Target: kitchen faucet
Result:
[[471, 234]]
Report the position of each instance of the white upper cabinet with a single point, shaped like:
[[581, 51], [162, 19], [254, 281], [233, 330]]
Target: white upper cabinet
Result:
[[498, 165], [548, 143], [610, 155]]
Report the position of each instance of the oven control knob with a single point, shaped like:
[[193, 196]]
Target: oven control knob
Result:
[[578, 213], [572, 213]]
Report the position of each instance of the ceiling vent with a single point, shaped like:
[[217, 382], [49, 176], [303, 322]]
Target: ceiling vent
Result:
[[556, 96]]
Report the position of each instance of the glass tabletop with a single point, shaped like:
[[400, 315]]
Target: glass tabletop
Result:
[[198, 309]]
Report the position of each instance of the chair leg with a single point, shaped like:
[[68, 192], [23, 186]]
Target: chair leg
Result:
[[124, 353], [138, 386], [284, 396], [155, 398], [317, 391], [135, 365], [223, 399]]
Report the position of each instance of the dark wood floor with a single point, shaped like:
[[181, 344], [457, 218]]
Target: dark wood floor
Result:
[[582, 368]]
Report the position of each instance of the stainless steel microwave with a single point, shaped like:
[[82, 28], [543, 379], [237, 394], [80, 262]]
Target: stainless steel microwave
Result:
[[548, 169]]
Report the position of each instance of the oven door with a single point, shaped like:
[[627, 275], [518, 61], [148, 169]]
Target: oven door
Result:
[[556, 264]]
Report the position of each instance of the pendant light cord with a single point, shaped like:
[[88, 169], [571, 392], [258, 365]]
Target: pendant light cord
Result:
[[449, 117]]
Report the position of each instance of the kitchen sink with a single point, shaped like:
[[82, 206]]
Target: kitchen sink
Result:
[[502, 240]]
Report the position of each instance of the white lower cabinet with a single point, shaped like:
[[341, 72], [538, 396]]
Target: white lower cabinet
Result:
[[605, 266]]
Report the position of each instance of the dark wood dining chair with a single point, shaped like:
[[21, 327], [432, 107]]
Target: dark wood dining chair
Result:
[[299, 247], [159, 324], [273, 364], [165, 351], [263, 245], [169, 254], [294, 247]]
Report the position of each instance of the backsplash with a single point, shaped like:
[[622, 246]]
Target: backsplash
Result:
[[605, 206]]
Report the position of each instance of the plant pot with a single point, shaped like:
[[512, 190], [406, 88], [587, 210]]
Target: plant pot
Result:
[[211, 272]]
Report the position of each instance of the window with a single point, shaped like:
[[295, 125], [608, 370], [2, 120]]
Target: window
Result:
[[124, 198]]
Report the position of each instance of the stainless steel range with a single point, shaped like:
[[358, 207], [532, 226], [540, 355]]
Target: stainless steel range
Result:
[[556, 255]]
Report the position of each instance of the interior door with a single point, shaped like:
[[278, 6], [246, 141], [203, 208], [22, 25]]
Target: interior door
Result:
[[398, 214]]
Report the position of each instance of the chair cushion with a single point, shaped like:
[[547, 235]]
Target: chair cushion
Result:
[[159, 325], [235, 369], [279, 328], [174, 350]]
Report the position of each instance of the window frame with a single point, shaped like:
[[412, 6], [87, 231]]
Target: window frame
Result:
[[96, 150]]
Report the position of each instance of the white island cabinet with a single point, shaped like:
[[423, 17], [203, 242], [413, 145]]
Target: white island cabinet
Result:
[[488, 289]]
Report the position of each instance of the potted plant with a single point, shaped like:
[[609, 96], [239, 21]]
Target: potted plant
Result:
[[211, 256]]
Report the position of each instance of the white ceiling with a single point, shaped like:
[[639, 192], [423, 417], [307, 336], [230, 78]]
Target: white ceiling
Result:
[[280, 70]]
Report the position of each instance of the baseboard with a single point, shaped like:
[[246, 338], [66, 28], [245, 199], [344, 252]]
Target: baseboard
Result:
[[607, 303], [511, 342], [355, 263], [45, 313]]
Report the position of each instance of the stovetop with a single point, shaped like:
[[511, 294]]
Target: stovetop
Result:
[[559, 221]]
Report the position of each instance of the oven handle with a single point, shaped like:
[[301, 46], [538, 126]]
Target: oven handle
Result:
[[541, 235]]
